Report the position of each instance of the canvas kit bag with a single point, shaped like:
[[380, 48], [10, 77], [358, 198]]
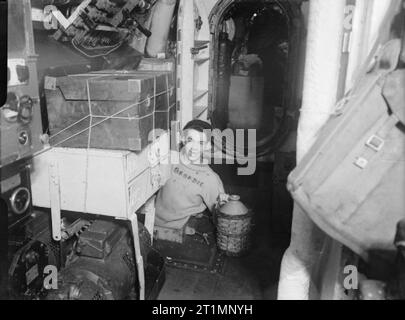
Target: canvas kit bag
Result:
[[352, 181]]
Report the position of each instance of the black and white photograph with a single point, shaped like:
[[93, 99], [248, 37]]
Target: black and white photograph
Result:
[[202, 156]]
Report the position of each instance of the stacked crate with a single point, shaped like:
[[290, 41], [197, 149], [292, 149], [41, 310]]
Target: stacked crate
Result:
[[109, 109], [109, 138]]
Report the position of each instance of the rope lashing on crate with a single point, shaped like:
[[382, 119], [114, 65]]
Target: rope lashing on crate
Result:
[[154, 103], [168, 103], [105, 118], [113, 116], [86, 185]]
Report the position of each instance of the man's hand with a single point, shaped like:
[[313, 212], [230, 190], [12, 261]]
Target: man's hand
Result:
[[223, 198]]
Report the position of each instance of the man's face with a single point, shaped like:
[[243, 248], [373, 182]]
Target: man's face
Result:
[[195, 144]]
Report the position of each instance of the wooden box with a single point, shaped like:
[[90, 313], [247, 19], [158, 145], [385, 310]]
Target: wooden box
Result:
[[108, 109], [105, 182]]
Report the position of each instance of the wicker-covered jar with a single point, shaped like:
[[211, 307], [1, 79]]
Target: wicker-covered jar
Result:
[[234, 222]]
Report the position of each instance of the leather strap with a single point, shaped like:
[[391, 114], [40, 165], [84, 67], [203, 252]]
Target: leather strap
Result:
[[402, 56]]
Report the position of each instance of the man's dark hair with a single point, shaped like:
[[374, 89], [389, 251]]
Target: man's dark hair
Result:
[[198, 125]]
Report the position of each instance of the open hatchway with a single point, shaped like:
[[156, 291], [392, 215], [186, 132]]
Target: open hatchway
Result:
[[256, 68], [255, 73]]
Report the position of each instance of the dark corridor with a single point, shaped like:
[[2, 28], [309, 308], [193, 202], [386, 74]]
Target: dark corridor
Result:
[[255, 56]]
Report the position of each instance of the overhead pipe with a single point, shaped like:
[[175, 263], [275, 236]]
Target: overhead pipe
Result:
[[321, 77], [160, 27]]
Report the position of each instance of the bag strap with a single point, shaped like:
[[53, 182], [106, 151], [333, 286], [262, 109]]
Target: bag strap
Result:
[[378, 49], [402, 36], [388, 57], [394, 94]]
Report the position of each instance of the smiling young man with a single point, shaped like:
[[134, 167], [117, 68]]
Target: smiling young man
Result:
[[193, 186]]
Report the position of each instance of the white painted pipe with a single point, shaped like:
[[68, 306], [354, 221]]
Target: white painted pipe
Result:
[[322, 66], [359, 41], [160, 27], [370, 21]]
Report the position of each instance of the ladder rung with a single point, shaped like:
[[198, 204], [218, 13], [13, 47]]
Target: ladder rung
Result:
[[198, 111], [199, 93], [201, 60], [200, 43]]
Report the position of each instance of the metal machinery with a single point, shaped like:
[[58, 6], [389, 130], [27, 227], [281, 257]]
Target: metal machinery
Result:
[[20, 118], [102, 267], [21, 128], [95, 258]]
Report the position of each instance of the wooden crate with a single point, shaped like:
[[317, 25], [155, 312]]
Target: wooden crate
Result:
[[105, 182], [108, 109]]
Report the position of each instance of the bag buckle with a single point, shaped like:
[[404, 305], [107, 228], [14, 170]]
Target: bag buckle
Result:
[[375, 142], [361, 162]]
